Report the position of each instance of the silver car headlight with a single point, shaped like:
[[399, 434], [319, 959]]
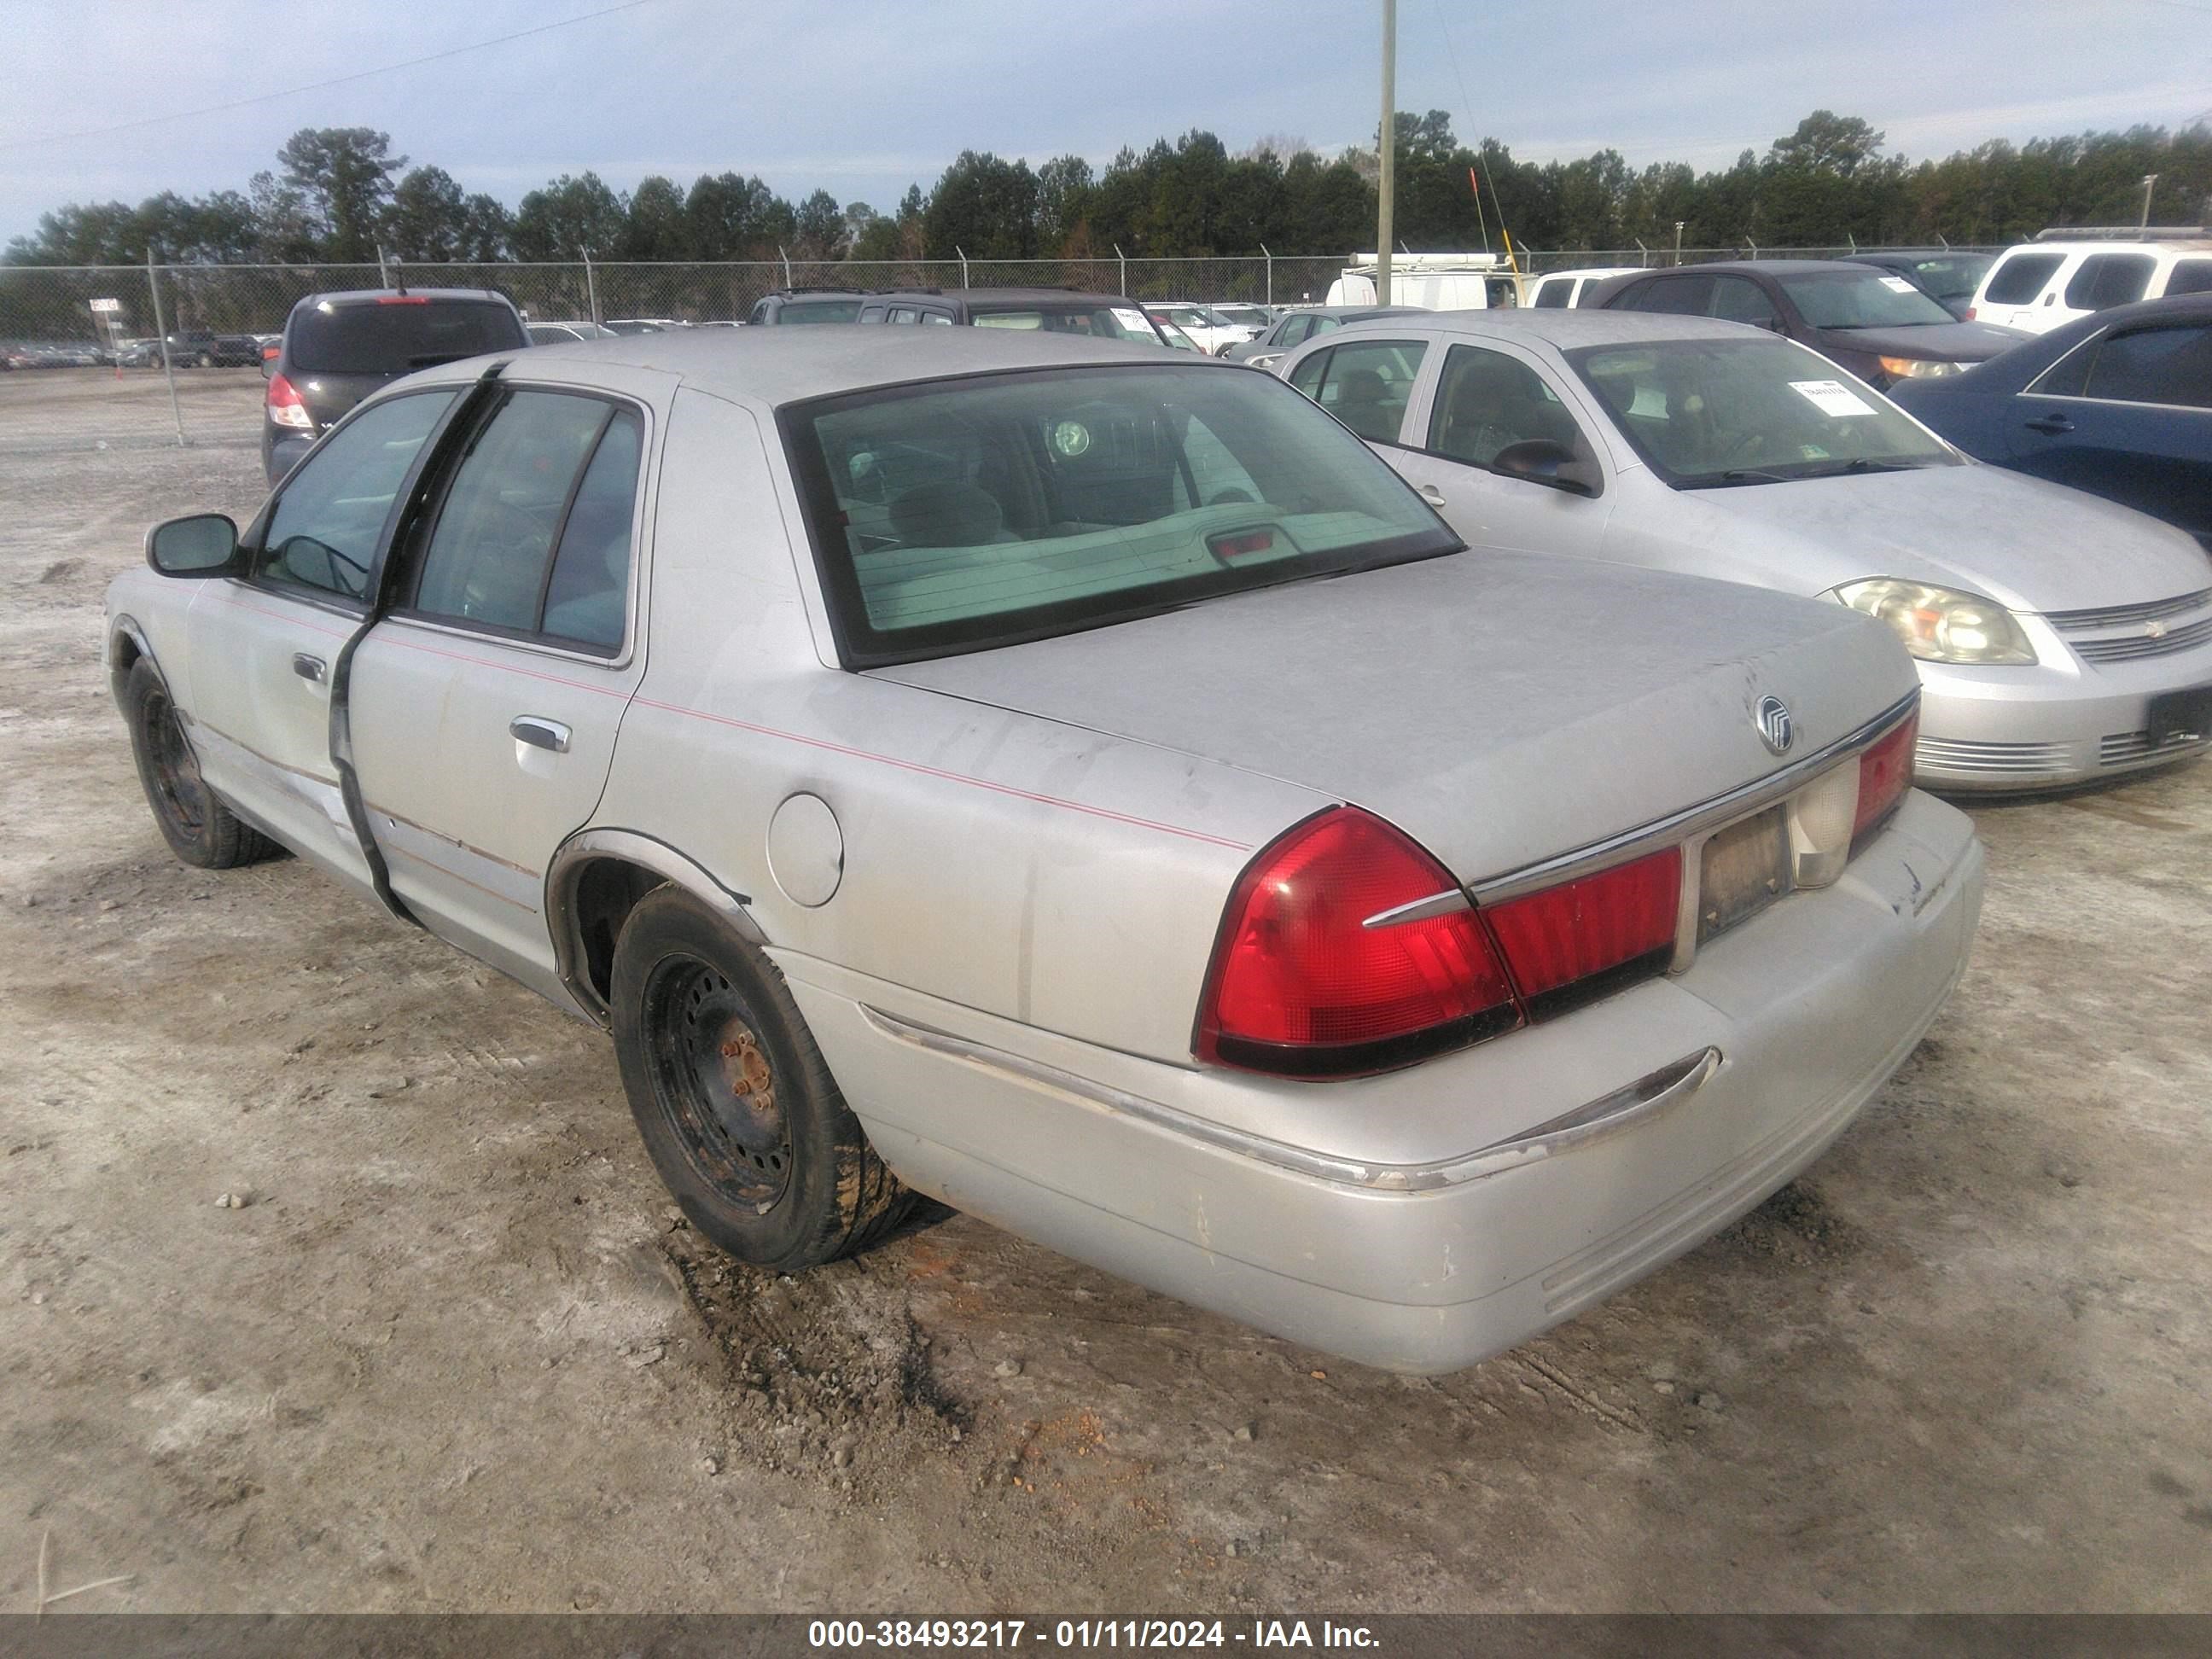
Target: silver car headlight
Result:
[[1941, 624]]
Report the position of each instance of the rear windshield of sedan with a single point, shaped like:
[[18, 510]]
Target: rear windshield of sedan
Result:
[[1955, 277], [960, 515], [1706, 413], [1860, 299], [1100, 322], [392, 337]]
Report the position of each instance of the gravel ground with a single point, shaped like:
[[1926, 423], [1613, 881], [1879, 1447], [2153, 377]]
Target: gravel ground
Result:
[[450, 1352]]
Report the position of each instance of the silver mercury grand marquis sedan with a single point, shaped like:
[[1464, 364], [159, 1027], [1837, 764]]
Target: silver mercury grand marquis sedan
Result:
[[2061, 639], [1091, 788]]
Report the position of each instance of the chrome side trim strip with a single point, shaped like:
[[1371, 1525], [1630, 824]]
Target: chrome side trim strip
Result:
[[1678, 826], [1421, 909], [1608, 1115]]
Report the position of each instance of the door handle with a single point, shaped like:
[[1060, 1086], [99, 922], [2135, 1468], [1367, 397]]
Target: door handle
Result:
[[2054, 424], [307, 667], [539, 733], [1431, 495]]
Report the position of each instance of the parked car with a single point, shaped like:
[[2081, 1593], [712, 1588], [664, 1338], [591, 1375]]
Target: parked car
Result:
[[807, 304], [1050, 310], [2042, 284], [1213, 332], [1295, 327], [138, 354], [1431, 282], [1947, 275], [1257, 317], [203, 348], [643, 325], [1566, 289], [338, 348], [1879, 326], [2060, 638], [1399, 962], [567, 333], [2118, 402]]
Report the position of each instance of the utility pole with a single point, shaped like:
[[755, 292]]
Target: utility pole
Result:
[[1678, 241], [1387, 184], [2149, 179]]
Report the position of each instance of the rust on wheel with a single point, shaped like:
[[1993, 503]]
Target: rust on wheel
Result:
[[716, 1082]]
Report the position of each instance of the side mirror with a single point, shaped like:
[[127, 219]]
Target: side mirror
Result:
[[205, 544], [1551, 464]]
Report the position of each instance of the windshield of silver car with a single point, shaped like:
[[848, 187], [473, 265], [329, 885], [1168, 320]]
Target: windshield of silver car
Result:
[[1865, 298], [1706, 413], [959, 515]]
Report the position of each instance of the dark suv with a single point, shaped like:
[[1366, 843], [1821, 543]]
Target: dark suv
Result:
[[1055, 310], [338, 348], [807, 304]]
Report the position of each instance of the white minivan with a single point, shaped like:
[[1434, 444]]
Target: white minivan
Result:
[[2040, 284]]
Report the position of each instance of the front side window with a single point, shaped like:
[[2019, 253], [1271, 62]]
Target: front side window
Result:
[[904, 314], [1486, 401], [2156, 366], [323, 530], [972, 513], [1860, 298], [1366, 384], [547, 471], [1292, 330], [1708, 413], [1740, 300], [2110, 279], [2018, 279]]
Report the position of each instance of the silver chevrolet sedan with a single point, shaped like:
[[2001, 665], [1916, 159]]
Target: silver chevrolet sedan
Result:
[[2060, 638], [1086, 786]]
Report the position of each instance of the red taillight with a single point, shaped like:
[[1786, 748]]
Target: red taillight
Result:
[[402, 299], [1885, 774], [1970, 314], [1561, 944], [286, 406], [269, 354], [1301, 985]]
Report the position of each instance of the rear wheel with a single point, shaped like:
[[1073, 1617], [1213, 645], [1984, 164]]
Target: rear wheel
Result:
[[199, 829], [205, 359], [736, 1108]]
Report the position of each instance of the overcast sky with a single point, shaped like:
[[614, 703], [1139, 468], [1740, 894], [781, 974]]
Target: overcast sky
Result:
[[865, 97]]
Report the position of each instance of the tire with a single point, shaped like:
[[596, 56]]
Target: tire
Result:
[[199, 829], [705, 1029], [205, 361]]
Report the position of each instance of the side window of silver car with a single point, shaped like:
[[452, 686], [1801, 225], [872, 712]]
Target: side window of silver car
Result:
[[324, 531], [533, 533], [1486, 401]]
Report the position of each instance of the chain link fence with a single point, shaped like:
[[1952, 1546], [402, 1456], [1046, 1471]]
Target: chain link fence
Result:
[[102, 315]]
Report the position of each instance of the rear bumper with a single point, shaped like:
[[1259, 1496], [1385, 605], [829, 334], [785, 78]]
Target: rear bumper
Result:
[[1430, 1264]]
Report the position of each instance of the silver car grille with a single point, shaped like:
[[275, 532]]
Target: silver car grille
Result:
[[2123, 748], [2020, 760], [2126, 633]]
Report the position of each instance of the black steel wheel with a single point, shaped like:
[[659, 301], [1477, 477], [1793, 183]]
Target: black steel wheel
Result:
[[736, 1106], [199, 829]]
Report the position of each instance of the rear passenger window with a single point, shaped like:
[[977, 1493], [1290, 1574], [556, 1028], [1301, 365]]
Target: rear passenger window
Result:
[[2109, 279], [549, 470], [2190, 277], [1368, 384], [2017, 281], [2156, 366]]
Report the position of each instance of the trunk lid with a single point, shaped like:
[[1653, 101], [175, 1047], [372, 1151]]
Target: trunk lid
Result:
[[1500, 709]]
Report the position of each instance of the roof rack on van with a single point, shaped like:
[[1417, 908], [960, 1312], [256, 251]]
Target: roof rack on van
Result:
[[2124, 234]]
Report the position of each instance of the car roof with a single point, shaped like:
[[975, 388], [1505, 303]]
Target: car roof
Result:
[[1570, 327], [363, 296], [1763, 267], [772, 367], [1010, 296], [2181, 246]]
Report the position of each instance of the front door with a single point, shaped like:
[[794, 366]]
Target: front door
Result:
[[484, 709], [1481, 401], [267, 645]]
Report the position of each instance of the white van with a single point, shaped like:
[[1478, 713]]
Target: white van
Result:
[[2040, 284], [1558, 288], [1434, 282]]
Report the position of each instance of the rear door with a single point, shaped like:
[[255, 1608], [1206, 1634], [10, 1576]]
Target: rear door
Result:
[[1480, 399], [484, 709], [2127, 415], [265, 647]]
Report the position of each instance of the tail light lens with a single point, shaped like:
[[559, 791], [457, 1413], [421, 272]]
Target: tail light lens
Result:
[[1885, 774], [286, 407], [1571, 943], [1970, 313], [1302, 985]]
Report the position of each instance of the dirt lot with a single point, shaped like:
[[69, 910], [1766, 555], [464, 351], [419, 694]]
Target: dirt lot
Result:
[[451, 1353]]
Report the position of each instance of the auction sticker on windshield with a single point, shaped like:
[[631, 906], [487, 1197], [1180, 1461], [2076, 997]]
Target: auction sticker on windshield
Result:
[[1135, 321], [1898, 285], [1831, 398]]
